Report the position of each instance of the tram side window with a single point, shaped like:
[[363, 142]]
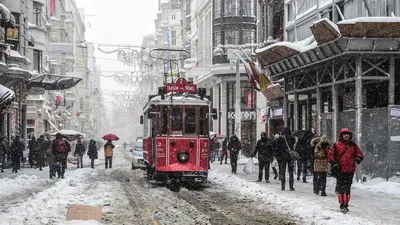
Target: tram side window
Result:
[[176, 118], [164, 120], [190, 121]]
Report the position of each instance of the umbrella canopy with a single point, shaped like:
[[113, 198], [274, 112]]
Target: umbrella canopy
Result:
[[68, 133], [112, 137]]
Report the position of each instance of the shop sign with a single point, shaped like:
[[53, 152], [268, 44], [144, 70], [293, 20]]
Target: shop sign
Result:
[[245, 115], [395, 112], [181, 85]]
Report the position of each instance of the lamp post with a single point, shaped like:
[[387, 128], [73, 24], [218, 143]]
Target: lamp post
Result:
[[219, 51]]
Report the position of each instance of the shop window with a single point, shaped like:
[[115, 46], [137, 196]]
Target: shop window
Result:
[[375, 97], [190, 120], [37, 60], [13, 34]]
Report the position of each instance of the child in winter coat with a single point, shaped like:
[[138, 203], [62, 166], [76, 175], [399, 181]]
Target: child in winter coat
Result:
[[321, 164]]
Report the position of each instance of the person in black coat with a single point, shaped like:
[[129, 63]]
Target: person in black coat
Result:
[[79, 152], [265, 152], [33, 150], [284, 144], [17, 149], [92, 152], [234, 147], [303, 148], [225, 150]]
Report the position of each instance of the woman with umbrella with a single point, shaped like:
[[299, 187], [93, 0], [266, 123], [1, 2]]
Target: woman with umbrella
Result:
[[109, 148]]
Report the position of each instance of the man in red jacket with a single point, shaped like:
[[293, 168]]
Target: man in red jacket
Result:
[[347, 153]]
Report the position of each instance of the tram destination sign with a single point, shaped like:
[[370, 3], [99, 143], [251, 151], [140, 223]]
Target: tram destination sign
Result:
[[181, 87]]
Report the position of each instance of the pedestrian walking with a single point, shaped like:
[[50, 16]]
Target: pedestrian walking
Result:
[[79, 152], [17, 149], [234, 147], [42, 147], [108, 153], [224, 151], [33, 149], [3, 153], [303, 148], [284, 144], [125, 144], [321, 164], [60, 148], [92, 152], [274, 163], [346, 153], [265, 152]]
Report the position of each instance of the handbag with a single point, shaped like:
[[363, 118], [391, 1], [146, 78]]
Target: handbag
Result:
[[335, 167], [293, 154]]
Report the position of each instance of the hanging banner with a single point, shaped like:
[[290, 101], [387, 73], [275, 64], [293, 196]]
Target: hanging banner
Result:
[[52, 6]]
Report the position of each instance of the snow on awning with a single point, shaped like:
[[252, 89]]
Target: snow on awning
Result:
[[15, 72], [325, 31], [277, 52], [6, 95], [7, 18], [54, 82], [378, 27]]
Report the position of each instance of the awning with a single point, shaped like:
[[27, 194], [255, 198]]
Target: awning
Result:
[[6, 95], [7, 19], [54, 82], [17, 72]]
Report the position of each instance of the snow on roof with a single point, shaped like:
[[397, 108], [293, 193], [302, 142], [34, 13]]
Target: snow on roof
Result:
[[15, 54], [330, 23], [306, 41], [371, 20], [291, 45]]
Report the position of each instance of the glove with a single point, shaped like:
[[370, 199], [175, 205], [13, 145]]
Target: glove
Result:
[[359, 160]]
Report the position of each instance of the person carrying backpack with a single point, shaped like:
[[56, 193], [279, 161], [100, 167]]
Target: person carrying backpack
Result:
[[60, 149]]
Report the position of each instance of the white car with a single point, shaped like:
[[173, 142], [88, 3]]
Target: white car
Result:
[[137, 153]]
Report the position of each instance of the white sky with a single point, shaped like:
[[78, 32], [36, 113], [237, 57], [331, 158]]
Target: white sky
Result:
[[117, 22]]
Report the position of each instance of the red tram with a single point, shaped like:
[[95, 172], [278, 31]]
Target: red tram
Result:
[[176, 134]]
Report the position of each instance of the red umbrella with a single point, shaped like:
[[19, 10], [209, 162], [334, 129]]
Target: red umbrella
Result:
[[112, 137]]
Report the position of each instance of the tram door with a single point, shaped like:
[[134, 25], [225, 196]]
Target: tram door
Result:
[[153, 134]]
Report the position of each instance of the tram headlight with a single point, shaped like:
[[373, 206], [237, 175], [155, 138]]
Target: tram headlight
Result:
[[183, 156]]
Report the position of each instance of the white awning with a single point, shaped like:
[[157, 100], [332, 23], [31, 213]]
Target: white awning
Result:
[[6, 95]]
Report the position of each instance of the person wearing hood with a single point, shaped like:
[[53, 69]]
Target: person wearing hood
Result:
[[92, 152], [265, 156], [284, 144], [321, 164], [346, 153], [234, 147]]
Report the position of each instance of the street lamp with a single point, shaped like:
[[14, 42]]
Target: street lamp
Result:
[[219, 51]]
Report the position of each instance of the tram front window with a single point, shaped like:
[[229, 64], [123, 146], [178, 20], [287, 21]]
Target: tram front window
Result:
[[190, 121], [176, 118]]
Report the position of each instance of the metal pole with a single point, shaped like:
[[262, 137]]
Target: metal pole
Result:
[[237, 108]]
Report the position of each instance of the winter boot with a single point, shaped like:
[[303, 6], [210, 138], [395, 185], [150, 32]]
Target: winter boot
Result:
[[298, 177], [323, 193], [283, 187], [292, 189]]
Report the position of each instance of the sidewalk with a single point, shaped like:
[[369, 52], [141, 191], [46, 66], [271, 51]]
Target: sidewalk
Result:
[[373, 202]]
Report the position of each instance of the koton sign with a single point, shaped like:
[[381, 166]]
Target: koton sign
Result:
[[181, 87]]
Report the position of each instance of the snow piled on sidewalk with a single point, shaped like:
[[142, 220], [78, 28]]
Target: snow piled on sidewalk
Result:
[[50, 205], [306, 210]]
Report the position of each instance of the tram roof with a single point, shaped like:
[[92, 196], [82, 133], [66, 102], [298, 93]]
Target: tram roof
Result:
[[177, 99]]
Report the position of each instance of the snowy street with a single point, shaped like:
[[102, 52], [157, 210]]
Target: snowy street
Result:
[[128, 198]]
